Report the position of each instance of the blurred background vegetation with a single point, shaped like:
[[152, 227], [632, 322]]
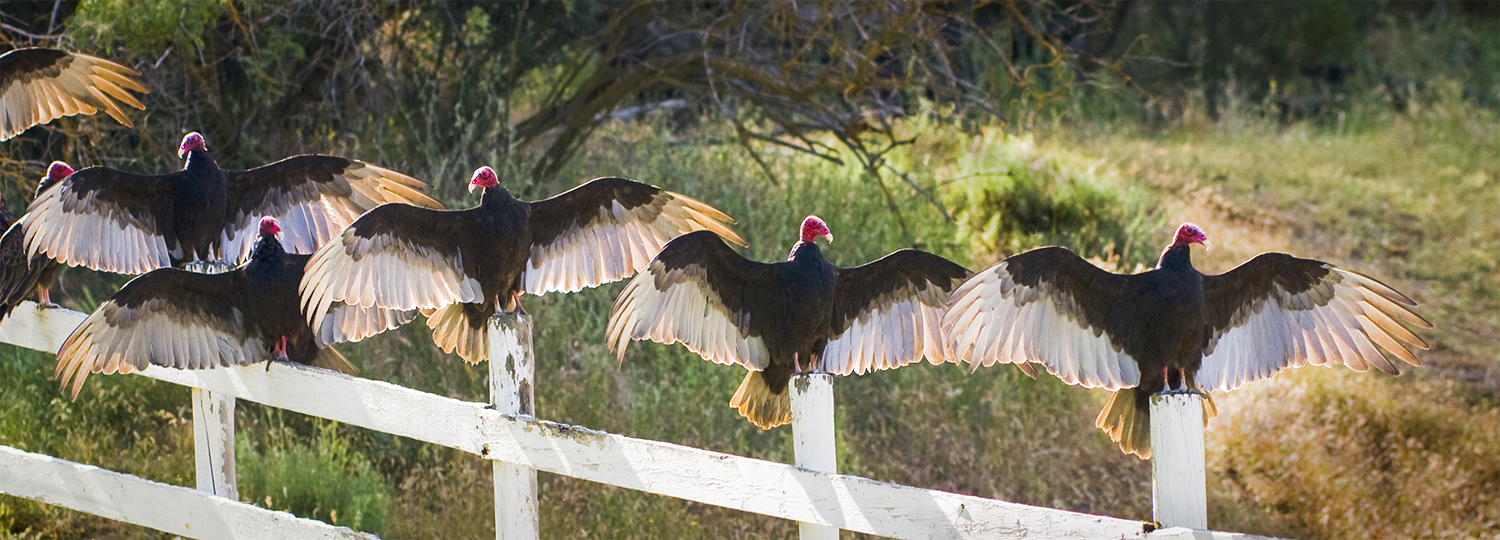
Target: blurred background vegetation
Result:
[[1359, 132]]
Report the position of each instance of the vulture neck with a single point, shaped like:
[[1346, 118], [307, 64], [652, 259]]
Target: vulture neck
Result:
[[200, 161], [495, 196], [1177, 257], [805, 252], [267, 249]]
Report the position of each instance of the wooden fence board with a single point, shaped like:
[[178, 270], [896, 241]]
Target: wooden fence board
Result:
[[173, 509]]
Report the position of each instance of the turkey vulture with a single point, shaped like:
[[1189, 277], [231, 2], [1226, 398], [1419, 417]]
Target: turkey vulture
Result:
[[115, 221], [187, 320], [1172, 328], [781, 318], [460, 266], [39, 85], [20, 274]]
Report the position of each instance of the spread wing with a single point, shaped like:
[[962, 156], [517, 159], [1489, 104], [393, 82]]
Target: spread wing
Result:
[[608, 229], [167, 317], [313, 197], [347, 322], [103, 219], [1277, 311], [396, 256], [888, 313], [701, 293], [40, 85], [1050, 307]]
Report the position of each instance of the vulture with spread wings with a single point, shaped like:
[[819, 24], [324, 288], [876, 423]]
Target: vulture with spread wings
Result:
[[459, 267], [1173, 328], [20, 273], [778, 319], [40, 85], [116, 221], [187, 320]]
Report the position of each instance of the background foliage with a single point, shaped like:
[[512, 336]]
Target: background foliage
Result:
[[1357, 132]]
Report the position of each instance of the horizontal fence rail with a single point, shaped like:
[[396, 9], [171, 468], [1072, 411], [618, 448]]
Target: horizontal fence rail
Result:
[[176, 510], [752, 485]]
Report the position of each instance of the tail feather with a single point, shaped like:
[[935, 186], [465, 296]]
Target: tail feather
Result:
[[332, 360], [757, 403], [455, 328], [1127, 421]]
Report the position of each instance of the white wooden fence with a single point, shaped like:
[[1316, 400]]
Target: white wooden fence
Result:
[[505, 432]]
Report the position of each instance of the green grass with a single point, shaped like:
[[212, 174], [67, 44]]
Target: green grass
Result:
[[1405, 197]]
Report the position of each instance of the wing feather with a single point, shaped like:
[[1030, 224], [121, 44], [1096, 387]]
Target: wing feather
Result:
[[103, 219], [347, 322], [697, 292], [1046, 306], [40, 85], [386, 257], [608, 229], [1277, 312], [161, 318], [882, 309], [313, 196]]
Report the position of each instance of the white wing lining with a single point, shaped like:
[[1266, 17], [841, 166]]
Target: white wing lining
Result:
[[994, 320], [687, 311], [1339, 321], [383, 271], [50, 228]]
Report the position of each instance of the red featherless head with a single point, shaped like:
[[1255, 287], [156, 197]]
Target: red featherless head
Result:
[[1189, 233], [813, 227], [190, 142], [58, 171], [269, 227], [485, 178]]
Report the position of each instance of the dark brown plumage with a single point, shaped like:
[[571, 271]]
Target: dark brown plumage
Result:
[[116, 221], [40, 85], [20, 273], [781, 318], [187, 320], [1173, 327], [460, 266]]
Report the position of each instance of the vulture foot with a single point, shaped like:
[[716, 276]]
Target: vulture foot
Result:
[[44, 299], [279, 353]]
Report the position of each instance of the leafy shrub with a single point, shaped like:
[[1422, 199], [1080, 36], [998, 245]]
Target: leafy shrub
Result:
[[1013, 196]]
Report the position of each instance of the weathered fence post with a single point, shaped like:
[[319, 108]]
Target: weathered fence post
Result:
[[213, 427], [512, 370], [1179, 496], [813, 436], [213, 443]]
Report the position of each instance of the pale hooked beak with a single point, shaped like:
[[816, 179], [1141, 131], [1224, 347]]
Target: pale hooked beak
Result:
[[181, 152], [1207, 245], [829, 236], [472, 187]]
